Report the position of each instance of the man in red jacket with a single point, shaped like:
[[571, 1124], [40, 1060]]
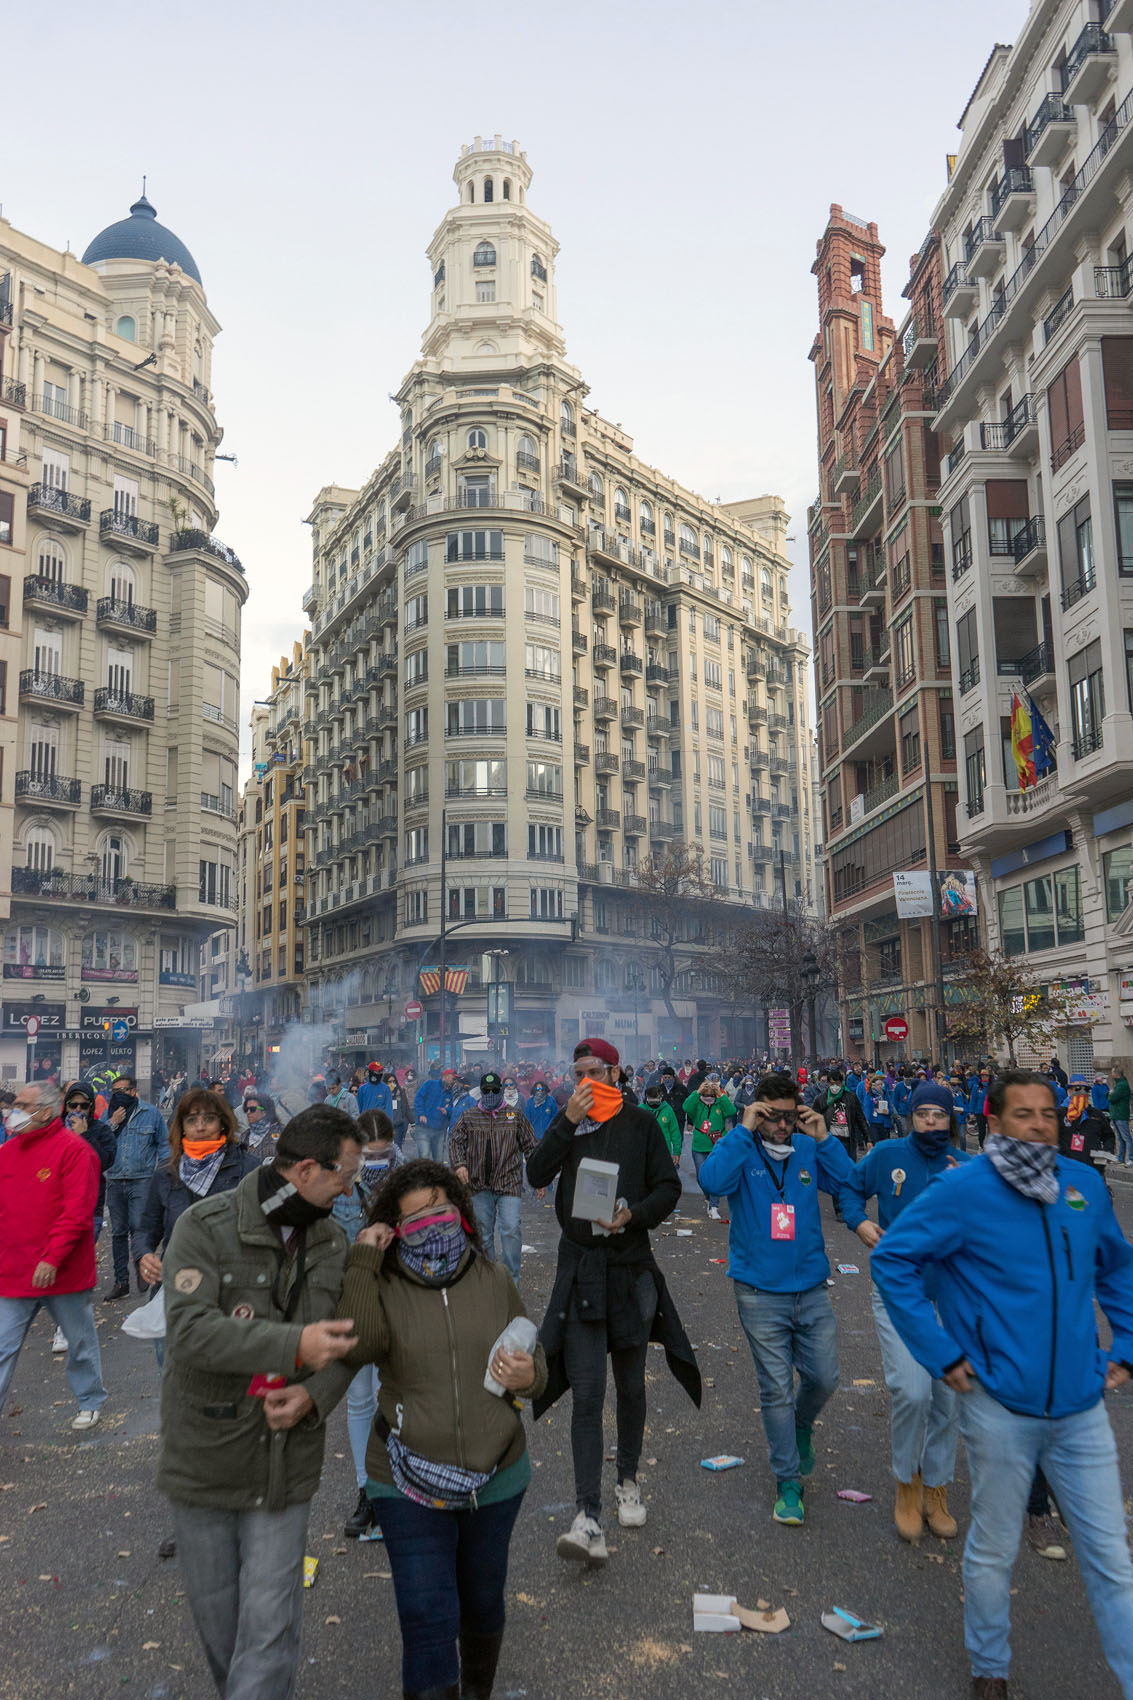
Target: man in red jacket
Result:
[[48, 1189]]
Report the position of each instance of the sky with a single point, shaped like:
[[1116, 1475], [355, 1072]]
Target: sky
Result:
[[685, 157]]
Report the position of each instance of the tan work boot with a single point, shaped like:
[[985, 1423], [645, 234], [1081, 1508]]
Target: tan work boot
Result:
[[940, 1520], [908, 1516]]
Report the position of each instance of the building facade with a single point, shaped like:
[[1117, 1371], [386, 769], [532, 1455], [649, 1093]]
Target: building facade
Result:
[[886, 726], [535, 664], [1036, 420], [121, 648]]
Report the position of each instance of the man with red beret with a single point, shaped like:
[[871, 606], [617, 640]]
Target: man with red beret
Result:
[[609, 1298]]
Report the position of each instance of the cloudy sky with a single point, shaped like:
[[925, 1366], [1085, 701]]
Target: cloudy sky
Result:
[[685, 156]]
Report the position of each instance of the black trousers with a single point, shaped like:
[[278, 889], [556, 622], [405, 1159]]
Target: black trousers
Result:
[[585, 1350]]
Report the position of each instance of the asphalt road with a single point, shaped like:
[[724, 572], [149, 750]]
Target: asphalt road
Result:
[[87, 1609]]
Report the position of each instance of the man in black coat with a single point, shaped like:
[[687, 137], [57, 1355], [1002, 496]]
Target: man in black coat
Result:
[[609, 1297]]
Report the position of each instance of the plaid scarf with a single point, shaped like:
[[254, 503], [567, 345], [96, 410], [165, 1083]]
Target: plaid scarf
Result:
[[198, 1173], [1030, 1169]]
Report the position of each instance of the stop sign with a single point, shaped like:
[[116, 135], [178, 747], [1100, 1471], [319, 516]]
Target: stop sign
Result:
[[897, 1029], [413, 1010]]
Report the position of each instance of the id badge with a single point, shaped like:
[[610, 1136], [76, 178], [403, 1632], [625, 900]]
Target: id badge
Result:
[[782, 1221], [1077, 1142]]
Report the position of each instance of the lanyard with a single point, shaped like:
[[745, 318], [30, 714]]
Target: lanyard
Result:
[[780, 1180]]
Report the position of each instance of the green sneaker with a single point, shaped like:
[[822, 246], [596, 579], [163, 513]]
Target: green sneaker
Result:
[[789, 1505], [805, 1443]]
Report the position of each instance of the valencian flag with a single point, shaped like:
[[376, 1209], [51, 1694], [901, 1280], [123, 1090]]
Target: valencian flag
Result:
[[1032, 741], [455, 980]]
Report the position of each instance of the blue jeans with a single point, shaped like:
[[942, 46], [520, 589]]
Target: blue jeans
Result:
[[923, 1419], [243, 1573], [491, 1207], [698, 1163], [432, 1142], [125, 1203], [789, 1332], [449, 1573], [1124, 1143], [74, 1314], [1079, 1458], [361, 1404]]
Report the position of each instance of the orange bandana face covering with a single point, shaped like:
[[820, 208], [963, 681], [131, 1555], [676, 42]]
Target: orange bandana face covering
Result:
[[198, 1148], [607, 1101], [1076, 1106]]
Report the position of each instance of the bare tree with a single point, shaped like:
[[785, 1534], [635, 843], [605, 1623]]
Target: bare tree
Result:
[[685, 912], [768, 961], [1004, 1003]]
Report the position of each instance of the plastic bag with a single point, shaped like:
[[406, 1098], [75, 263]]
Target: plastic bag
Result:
[[148, 1321], [520, 1335]]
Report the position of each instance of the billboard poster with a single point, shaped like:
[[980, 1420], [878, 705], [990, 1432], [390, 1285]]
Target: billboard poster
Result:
[[958, 894], [913, 894]]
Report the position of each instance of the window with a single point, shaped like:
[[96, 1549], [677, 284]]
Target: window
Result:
[[5, 600], [1068, 906], [1064, 407], [960, 526], [718, 871], [542, 662], [417, 611], [538, 269], [485, 254], [127, 328], [895, 475], [215, 877], [687, 543], [477, 838], [975, 770], [544, 721], [486, 289], [477, 491], [416, 557], [1011, 929], [545, 843], [566, 419], [908, 727], [32, 952], [940, 626], [476, 779], [1117, 365], [712, 627], [713, 677], [416, 845], [7, 515], [416, 727], [541, 604], [416, 908], [39, 848], [125, 496], [472, 716], [1129, 667], [1117, 871], [477, 657], [947, 729], [967, 651], [1076, 552], [416, 785], [56, 469], [903, 660], [477, 439], [714, 722], [717, 822], [51, 560], [716, 771], [474, 546], [475, 601], [110, 955], [546, 903], [544, 779], [1087, 699], [1007, 513]]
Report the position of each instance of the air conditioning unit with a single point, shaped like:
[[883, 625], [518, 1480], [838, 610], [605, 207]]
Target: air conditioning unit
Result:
[[606, 873]]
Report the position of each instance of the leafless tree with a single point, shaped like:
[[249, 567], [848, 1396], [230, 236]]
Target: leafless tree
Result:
[[1004, 1002]]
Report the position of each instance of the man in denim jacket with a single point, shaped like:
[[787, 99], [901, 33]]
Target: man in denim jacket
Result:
[[142, 1143]]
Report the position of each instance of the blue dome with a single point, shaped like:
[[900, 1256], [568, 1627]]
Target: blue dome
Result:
[[140, 237]]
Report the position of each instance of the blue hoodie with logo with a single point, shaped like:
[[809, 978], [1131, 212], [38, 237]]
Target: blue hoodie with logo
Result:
[[740, 1169], [1014, 1282]]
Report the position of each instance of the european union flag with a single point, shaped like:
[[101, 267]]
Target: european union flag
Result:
[[1042, 749]]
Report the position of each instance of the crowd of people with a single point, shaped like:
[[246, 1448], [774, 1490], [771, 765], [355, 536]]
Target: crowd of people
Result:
[[345, 1248]]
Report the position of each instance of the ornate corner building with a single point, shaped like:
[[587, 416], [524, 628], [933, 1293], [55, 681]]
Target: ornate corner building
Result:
[[119, 647], [534, 663]]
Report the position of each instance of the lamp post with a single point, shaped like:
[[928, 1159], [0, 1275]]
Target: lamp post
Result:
[[809, 967], [635, 982]]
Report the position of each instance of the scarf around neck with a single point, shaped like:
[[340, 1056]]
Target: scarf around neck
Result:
[[1030, 1169], [198, 1173]]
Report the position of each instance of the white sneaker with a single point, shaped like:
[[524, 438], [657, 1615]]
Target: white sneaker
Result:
[[713, 1213], [85, 1419], [59, 1341], [585, 1542], [631, 1512]]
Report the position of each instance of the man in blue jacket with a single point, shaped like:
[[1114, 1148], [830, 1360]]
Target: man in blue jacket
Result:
[[772, 1173], [1016, 1249], [433, 1110], [374, 1094], [540, 1109], [924, 1419], [142, 1142]]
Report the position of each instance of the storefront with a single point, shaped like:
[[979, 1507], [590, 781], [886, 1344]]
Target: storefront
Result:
[[17, 1055], [98, 1049]]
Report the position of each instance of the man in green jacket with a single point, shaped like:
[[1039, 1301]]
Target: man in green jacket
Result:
[[707, 1111], [252, 1279], [666, 1118]]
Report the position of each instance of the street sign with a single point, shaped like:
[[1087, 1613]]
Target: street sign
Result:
[[32, 1025], [897, 1029], [414, 1010], [120, 1031]]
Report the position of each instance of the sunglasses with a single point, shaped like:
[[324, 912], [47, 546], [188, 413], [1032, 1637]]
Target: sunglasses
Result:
[[76, 1104], [252, 1109]]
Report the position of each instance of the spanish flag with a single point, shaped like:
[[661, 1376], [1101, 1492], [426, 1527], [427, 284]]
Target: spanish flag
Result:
[[1022, 741]]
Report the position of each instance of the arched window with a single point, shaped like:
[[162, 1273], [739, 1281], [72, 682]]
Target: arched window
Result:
[[472, 191], [51, 560], [687, 540], [485, 255], [486, 348], [747, 571], [526, 453], [707, 541], [33, 947], [434, 455], [538, 269], [621, 505], [113, 857], [127, 328], [726, 558], [507, 188], [477, 439], [668, 523], [110, 954], [765, 587], [566, 418], [595, 486], [39, 847], [123, 581], [645, 519], [489, 189]]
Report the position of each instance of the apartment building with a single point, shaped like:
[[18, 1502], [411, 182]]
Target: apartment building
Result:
[[535, 663], [1036, 420], [886, 716], [120, 647]]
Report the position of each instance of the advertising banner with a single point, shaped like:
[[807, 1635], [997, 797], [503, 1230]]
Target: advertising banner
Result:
[[913, 895]]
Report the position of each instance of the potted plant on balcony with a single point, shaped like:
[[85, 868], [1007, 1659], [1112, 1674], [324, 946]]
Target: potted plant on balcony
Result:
[[126, 889]]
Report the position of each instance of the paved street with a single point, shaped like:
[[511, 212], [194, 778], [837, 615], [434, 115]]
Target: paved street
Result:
[[89, 1611]]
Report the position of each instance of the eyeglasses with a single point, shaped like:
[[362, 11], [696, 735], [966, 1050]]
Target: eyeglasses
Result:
[[783, 1118]]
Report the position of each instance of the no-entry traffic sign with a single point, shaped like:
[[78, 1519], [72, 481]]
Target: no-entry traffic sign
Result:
[[896, 1029], [414, 1010]]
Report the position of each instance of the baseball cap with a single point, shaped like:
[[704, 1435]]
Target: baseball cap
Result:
[[491, 1083]]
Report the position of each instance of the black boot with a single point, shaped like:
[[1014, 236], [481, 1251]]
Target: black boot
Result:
[[452, 1692], [361, 1518], [479, 1656]]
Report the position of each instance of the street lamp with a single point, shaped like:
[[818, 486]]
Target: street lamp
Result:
[[809, 970], [497, 956]]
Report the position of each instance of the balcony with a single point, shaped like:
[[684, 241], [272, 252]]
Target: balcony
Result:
[[756, 713], [183, 541], [604, 655], [630, 611], [122, 705], [655, 622], [759, 760], [628, 662], [847, 475], [117, 615], [1086, 743], [1111, 283], [655, 674], [955, 456], [633, 717], [1030, 548], [970, 676], [602, 599], [867, 508], [52, 688], [64, 601], [920, 345], [128, 437], [569, 479], [633, 770], [1058, 315], [877, 706], [127, 529], [67, 511], [1019, 432], [634, 826], [1089, 65], [14, 394], [658, 726], [581, 697], [762, 853], [1013, 201], [960, 292], [662, 830], [119, 800], [605, 761], [401, 491], [582, 755], [761, 806], [659, 777], [1050, 131], [50, 790], [1036, 668], [1081, 586], [985, 249], [89, 888], [876, 661], [607, 818], [577, 587], [387, 608], [605, 708]]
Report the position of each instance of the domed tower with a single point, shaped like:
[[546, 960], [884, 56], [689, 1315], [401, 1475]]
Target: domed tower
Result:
[[493, 266]]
